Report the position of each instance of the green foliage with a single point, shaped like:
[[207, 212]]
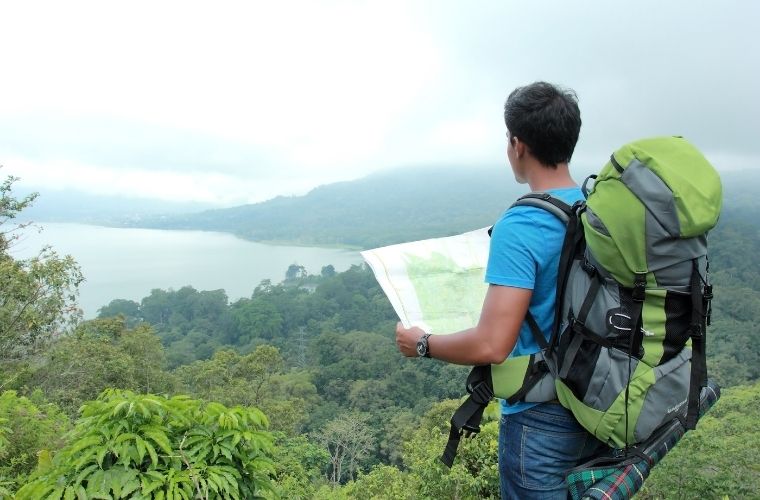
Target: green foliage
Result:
[[717, 459], [122, 307], [316, 354], [27, 427], [102, 353], [295, 272], [733, 350], [299, 466], [386, 208], [189, 323], [475, 473], [384, 481], [256, 318], [349, 442], [256, 379], [38, 294], [335, 354], [145, 446]]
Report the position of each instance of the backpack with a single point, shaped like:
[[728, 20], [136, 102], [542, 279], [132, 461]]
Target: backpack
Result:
[[627, 351]]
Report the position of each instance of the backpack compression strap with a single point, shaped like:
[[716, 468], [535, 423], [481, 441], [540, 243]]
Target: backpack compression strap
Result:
[[467, 418], [700, 307]]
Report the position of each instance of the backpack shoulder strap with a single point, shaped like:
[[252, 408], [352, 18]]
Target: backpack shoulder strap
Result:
[[547, 202], [467, 418]]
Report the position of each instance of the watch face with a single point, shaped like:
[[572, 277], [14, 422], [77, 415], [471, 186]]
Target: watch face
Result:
[[420, 349]]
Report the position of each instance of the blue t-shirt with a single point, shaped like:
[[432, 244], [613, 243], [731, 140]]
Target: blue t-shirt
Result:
[[526, 243]]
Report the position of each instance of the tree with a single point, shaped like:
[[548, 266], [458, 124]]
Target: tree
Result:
[[155, 308], [37, 295], [349, 441], [255, 379], [127, 308], [232, 378], [258, 368], [475, 473], [295, 272], [102, 353], [144, 347], [145, 446], [328, 271], [717, 459], [27, 426], [256, 318], [383, 481], [299, 466]]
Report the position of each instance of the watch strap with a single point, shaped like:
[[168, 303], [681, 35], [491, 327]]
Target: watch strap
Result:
[[424, 341]]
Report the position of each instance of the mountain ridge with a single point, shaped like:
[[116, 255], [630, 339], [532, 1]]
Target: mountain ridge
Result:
[[380, 209]]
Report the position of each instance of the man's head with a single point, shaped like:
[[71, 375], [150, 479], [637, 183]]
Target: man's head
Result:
[[546, 119]]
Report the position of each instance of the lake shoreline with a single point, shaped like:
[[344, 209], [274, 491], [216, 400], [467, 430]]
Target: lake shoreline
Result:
[[288, 243], [127, 263]]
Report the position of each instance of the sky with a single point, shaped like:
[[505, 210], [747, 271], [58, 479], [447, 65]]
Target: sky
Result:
[[228, 103]]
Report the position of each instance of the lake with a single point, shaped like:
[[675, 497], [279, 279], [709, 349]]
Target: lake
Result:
[[129, 263]]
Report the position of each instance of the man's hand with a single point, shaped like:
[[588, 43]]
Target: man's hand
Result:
[[490, 342], [406, 339]]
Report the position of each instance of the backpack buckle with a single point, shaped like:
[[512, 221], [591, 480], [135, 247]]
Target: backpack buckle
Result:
[[469, 431], [695, 331], [576, 326], [639, 287], [579, 206], [707, 296], [481, 393], [588, 267], [539, 367]]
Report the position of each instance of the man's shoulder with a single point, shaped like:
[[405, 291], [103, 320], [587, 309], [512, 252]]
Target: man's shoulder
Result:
[[568, 195], [530, 213], [520, 215], [524, 224]]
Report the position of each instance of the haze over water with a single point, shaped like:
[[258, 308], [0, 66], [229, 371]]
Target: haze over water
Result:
[[129, 263]]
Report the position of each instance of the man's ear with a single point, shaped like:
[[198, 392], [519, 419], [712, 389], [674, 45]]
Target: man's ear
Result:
[[519, 147]]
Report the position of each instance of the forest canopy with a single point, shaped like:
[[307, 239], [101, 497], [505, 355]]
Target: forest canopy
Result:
[[296, 391]]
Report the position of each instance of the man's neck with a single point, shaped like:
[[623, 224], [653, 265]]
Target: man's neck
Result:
[[541, 178]]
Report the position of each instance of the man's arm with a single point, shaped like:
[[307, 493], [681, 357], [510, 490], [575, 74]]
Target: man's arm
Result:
[[490, 342]]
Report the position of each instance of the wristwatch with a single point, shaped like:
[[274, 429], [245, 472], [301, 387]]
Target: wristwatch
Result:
[[422, 346]]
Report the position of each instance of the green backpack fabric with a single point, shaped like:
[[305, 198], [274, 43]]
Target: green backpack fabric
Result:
[[626, 354]]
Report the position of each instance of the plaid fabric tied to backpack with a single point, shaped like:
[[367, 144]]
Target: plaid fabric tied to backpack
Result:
[[619, 478]]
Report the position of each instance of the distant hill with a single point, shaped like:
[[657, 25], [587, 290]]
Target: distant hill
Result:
[[75, 206], [391, 207], [380, 209]]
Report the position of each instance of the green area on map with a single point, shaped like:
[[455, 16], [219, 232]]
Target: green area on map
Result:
[[450, 296]]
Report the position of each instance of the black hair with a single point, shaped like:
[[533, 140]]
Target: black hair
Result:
[[546, 118]]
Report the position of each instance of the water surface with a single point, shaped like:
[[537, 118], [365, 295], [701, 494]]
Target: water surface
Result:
[[128, 263]]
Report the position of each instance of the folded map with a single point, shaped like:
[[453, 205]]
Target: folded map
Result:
[[436, 284]]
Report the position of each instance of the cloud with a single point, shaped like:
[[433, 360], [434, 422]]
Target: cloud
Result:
[[251, 97], [285, 77], [118, 143], [209, 187]]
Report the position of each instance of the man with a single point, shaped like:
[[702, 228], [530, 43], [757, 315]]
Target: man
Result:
[[537, 442]]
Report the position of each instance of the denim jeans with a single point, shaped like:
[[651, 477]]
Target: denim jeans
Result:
[[536, 447]]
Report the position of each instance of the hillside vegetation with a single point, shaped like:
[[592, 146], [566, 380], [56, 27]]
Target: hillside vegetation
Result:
[[297, 391], [377, 210], [392, 207]]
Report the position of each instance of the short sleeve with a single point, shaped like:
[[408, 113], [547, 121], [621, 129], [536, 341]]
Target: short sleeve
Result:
[[512, 258]]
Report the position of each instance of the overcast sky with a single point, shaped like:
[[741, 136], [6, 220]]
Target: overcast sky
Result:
[[235, 102]]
